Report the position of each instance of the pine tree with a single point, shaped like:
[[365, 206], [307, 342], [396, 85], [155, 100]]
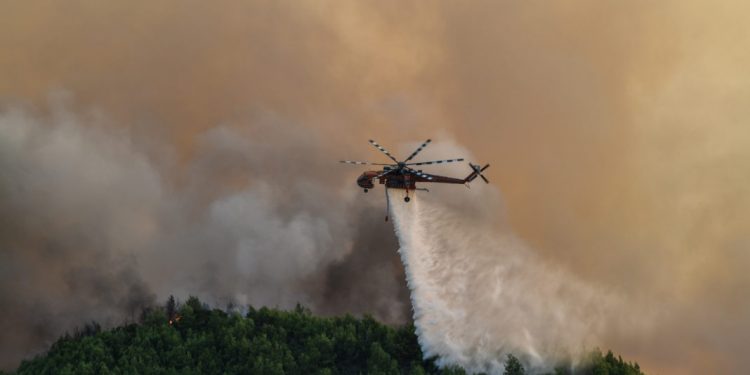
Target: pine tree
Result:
[[513, 366], [171, 308]]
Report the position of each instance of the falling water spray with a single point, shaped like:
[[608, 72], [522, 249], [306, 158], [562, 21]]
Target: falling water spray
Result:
[[479, 294]]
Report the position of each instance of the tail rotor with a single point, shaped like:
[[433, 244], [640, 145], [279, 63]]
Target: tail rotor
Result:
[[477, 171]]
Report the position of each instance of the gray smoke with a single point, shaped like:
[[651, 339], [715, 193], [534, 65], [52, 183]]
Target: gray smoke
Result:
[[76, 207], [98, 225]]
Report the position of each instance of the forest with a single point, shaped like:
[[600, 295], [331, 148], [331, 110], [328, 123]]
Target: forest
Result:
[[192, 338]]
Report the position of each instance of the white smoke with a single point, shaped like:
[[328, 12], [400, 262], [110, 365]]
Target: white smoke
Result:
[[479, 294]]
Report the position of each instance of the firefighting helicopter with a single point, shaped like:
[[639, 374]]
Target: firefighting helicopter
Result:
[[400, 175]]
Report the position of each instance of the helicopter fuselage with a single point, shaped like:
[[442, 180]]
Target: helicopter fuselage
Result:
[[401, 180]]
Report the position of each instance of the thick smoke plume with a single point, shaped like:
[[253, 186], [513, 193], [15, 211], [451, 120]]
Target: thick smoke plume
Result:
[[94, 228]]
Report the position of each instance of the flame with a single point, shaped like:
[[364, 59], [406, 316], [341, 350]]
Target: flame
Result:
[[175, 320]]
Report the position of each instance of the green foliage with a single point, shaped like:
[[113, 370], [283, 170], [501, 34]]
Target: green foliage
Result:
[[193, 339], [513, 366], [597, 364]]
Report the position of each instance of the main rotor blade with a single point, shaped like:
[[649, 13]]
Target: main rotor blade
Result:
[[361, 162], [436, 162], [418, 150], [383, 150], [420, 174]]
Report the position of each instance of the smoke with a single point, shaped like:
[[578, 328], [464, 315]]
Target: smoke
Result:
[[616, 131], [73, 201], [95, 228]]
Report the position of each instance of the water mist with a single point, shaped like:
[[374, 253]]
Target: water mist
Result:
[[479, 294]]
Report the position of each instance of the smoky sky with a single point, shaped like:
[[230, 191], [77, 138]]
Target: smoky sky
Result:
[[153, 148]]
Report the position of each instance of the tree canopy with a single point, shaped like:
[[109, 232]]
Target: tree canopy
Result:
[[194, 339]]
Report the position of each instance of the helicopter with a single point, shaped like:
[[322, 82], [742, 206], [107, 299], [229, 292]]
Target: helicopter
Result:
[[401, 175]]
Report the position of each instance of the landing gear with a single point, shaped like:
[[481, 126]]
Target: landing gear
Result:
[[407, 199], [365, 190]]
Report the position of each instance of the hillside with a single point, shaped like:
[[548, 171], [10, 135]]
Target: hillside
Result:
[[193, 339]]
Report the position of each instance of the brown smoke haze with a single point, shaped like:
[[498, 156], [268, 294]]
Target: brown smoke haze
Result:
[[150, 148]]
